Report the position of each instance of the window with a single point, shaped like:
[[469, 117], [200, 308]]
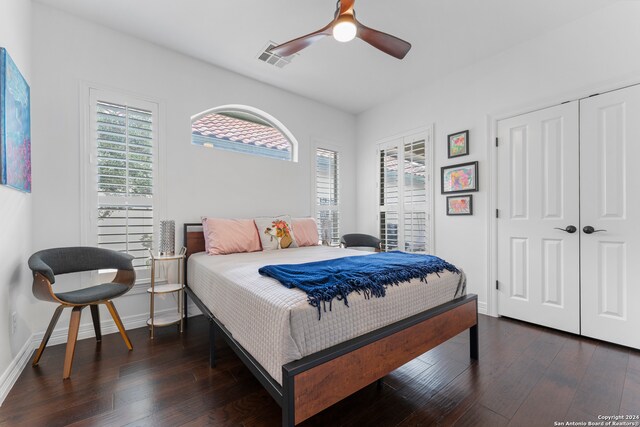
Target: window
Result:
[[243, 130], [404, 194], [122, 193], [327, 196]]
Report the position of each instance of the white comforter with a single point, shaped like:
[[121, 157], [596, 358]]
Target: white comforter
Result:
[[277, 325]]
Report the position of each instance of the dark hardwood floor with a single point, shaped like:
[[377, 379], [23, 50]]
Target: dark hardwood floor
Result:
[[526, 376]]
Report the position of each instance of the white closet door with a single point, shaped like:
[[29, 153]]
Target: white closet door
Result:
[[538, 198], [610, 202]]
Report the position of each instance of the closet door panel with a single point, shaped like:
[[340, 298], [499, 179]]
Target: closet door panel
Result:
[[538, 198], [610, 195]]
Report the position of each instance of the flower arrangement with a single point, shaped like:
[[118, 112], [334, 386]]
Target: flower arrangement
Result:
[[281, 226]]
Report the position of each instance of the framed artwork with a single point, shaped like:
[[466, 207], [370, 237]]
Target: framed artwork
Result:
[[15, 126], [460, 178], [460, 205], [458, 144]]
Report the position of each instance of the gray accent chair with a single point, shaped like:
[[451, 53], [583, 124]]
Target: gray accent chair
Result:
[[357, 240], [49, 263]]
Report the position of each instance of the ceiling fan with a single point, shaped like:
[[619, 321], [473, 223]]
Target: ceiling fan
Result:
[[345, 27]]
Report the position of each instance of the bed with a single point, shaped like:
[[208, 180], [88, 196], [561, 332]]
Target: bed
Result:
[[307, 364]]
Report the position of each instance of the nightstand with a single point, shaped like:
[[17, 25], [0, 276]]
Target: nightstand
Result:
[[166, 319]]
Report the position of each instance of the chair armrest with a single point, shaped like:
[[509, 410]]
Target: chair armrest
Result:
[[50, 262], [37, 265]]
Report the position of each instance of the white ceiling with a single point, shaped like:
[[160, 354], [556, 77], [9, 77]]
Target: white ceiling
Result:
[[446, 35]]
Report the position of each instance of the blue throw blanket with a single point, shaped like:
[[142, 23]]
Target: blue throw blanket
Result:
[[368, 274]]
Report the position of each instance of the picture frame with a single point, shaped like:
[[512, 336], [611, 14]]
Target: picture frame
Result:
[[458, 144], [15, 126], [459, 178], [460, 205]]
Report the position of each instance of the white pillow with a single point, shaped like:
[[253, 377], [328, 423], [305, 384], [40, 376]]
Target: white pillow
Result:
[[276, 232]]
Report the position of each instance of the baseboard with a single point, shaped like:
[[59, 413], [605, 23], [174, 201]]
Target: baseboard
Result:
[[482, 307], [59, 336], [13, 371]]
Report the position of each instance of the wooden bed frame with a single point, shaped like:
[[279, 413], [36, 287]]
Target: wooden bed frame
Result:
[[317, 381]]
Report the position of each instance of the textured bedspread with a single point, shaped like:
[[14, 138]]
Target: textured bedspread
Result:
[[277, 325]]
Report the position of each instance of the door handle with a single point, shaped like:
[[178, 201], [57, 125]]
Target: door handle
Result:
[[570, 229], [590, 230]]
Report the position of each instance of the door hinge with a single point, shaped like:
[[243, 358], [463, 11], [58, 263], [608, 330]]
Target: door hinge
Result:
[[497, 285], [496, 141], [497, 213]]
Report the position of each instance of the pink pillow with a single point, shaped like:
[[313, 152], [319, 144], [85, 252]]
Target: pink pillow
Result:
[[230, 236], [305, 231]]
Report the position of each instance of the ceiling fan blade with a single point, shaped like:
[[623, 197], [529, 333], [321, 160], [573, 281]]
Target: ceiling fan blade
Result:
[[346, 6], [385, 42], [296, 45]]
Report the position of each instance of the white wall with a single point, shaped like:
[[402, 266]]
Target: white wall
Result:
[[15, 207], [69, 51], [596, 52]]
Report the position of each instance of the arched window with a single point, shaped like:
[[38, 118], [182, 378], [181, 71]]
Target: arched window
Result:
[[243, 129]]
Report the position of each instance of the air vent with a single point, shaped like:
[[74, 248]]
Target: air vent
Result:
[[272, 58]]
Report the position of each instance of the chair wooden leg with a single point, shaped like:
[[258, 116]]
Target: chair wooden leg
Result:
[[116, 318], [74, 325], [47, 335], [95, 315]]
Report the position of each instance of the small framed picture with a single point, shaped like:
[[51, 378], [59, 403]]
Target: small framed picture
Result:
[[460, 205], [458, 144], [460, 178]]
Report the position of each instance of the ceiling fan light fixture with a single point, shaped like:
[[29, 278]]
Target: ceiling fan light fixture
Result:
[[344, 27], [344, 30]]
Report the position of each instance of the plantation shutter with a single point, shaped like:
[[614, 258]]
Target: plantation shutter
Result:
[[125, 151], [327, 192], [404, 216], [414, 197], [389, 198]]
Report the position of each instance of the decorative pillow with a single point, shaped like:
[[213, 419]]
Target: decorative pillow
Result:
[[230, 236], [205, 232], [306, 231], [276, 232]]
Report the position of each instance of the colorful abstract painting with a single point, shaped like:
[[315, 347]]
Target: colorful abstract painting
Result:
[[460, 205], [458, 144], [15, 126], [460, 178]]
